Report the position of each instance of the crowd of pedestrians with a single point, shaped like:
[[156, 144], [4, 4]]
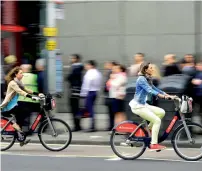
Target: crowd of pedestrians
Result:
[[87, 83], [84, 90]]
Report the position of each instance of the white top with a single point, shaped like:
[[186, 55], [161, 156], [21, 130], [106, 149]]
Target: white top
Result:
[[118, 86], [92, 82]]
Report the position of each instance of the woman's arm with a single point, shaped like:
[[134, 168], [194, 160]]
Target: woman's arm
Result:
[[28, 91], [145, 85], [17, 89], [158, 90], [165, 95], [31, 92], [25, 92]]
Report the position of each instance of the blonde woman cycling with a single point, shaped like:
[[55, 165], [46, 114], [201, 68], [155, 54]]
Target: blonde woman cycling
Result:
[[14, 89], [138, 105]]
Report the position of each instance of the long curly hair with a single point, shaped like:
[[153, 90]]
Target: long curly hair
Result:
[[144, 66], [12, 74]]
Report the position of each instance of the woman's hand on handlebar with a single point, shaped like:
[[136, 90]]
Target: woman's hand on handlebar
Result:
[[167, 96], [170, 97], [41, 95]]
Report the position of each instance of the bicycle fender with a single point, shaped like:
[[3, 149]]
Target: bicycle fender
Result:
[[4, 121], [129, 127]]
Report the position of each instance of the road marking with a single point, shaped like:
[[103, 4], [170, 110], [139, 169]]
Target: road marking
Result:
[[114, 159], [171, 160], [71, 145], [156, 159], [95, 137], [109, 158], [54, 155], [167, 149]]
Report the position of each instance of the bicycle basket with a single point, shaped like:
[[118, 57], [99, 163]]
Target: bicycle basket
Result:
[[186, 106], [50, 103]]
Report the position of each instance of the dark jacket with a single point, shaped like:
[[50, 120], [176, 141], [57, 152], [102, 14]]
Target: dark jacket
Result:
[[106, 91], [198, 88], [171, 70], [75, 77]]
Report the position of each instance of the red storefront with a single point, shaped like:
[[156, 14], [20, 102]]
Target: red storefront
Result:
[[10, 30]]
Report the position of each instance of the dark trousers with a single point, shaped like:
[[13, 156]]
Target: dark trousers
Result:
[[90, 101], [74, 106], [15, 111], [108, 103], [26, 109]]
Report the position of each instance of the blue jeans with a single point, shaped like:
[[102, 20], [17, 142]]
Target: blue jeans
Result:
[[90, 101]]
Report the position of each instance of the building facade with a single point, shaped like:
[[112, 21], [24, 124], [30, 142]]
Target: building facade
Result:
[[116, 30]]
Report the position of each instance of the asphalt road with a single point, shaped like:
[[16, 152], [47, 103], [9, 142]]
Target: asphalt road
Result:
[[89, 158]]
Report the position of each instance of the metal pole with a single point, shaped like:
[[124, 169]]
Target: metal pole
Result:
[[51, 22]]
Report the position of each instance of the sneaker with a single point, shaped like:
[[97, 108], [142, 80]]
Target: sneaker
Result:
[[24, 142], [156, 147]]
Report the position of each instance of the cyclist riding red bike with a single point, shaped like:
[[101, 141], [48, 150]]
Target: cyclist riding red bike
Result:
[[14, 89], [138, 105]]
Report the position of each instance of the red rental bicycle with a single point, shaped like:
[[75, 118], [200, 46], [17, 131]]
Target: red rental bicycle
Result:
[[54, 134], [129, 139]]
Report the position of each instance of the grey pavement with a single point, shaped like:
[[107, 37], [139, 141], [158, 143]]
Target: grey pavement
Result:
[[24, 163], [90, 158], [100, 137]]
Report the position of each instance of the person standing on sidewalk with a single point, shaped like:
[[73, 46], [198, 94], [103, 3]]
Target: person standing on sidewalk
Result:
[[40, 67], [108, 101], [75, 82], [117, 91], [28, 105], [135, 68], [91, 86], [197, 89]]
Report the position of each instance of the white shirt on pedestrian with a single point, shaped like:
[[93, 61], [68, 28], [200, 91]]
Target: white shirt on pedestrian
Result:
[[92, 82]]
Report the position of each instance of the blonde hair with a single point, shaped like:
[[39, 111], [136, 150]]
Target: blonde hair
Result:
[[11, 75], [156, 72]]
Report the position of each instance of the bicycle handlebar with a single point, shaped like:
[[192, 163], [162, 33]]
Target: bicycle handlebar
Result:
[[57, 95], [175, 98]]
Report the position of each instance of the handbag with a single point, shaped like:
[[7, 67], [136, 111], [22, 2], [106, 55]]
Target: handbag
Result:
[[186, 106]]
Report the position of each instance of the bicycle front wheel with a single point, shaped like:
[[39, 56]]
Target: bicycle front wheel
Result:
[[191, 151], [56, 137]]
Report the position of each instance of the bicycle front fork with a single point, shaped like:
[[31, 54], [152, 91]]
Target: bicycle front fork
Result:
[[187, 130], [51, 125]]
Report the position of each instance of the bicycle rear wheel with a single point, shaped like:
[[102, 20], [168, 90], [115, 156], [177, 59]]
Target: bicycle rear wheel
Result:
[[191, 151], [8, 135], [7, 141], [57, 142], [125, 149]]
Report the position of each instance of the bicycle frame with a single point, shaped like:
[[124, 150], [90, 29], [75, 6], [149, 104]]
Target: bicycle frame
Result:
[[39, 117], [177, 117]]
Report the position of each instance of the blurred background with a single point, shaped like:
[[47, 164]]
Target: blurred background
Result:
[[46, 35]]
